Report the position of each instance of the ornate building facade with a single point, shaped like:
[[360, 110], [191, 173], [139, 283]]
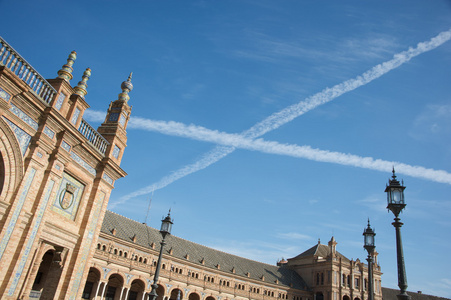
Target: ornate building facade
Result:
[[127, 251], [58, 241], [56, 176]]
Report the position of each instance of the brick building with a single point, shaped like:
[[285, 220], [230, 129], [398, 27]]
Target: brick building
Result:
[[58, 241]]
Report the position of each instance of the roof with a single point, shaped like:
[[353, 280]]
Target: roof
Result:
[[390, 294], [318, 250], [145, 236]]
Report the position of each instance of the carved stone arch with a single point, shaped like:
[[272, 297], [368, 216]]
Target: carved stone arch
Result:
[[11, 162], [137, 289], [174, 294], [194, 296], [119, 274], [98, 269]]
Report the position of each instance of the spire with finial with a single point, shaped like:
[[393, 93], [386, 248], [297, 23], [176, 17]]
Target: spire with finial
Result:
[[80, 89], [66, 70], [126, 87]]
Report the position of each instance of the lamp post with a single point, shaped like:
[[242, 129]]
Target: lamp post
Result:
[[395, 203], [166, 225], [369, 245]]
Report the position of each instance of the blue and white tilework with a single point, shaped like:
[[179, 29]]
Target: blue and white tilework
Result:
[[107, 179], [49, 132], [18, 112], [12, 222], [116, 151], [71, 210], [59, 101], [65, 146], [82, 163], [122, 120], [4, 95], [30, 240], [75, 115], [113, 117], [22, 137]]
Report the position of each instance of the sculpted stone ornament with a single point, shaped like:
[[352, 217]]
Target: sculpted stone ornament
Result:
[[67, 196]]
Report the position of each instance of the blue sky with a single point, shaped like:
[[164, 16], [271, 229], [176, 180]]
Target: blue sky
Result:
[[205, 72]]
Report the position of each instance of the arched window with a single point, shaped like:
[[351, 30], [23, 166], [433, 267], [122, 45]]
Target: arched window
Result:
[[125, 254], [99, 246], [103, 248]]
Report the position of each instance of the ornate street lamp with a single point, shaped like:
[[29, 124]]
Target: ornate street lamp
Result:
[[395, 203], [369, 245], [166, 226]]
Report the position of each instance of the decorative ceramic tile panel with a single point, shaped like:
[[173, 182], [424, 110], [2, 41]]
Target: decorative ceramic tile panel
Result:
[[18, 112], [75, 115], [68, 197], [59, 101], [82, 163], [16, 213], [108, 179], [30, 240], [128, 276], [22, 137], [116, 151], [4, 95], [65, 146], [87, 247], [49, 132], [122, 120], [113, 117]]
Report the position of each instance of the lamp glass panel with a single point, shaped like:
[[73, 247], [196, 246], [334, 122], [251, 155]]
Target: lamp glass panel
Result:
[[166, 227], [369, 240], [396, 196]]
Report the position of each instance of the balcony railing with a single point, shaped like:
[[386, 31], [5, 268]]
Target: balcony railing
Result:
[[45, 92], [19, 66], [95, 138]]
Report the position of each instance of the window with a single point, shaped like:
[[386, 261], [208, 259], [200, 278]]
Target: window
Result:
[[132, 295], [356, 283], [110, 292], [87, 290]]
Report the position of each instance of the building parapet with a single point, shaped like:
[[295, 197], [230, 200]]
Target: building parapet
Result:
[[20, 67], [95, 138]]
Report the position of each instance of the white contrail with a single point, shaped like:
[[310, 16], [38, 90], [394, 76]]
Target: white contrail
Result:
[[231, 141], [286, 115]]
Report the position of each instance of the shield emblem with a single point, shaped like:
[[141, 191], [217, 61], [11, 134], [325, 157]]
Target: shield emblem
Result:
[[67, 196]]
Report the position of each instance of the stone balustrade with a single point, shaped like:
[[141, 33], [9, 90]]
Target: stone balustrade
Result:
[[20, 67], [95, 138]]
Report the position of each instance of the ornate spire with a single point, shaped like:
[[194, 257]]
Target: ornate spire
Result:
[[80, 89], [126, 87], [66, 70]]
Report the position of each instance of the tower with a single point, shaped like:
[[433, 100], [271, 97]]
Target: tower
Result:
[[57, 173]]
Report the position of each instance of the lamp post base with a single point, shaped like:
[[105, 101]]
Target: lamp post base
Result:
[[403, 296]]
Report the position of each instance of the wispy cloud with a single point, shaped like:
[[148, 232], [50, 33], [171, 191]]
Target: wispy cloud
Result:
[[433, 123], [288, 114], [295, 236]]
